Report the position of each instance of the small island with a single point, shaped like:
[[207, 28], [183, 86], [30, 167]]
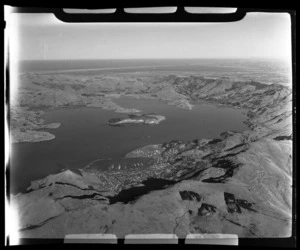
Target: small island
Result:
[[137, 119]]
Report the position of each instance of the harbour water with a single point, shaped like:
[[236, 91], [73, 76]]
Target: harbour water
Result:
[[84, 136]]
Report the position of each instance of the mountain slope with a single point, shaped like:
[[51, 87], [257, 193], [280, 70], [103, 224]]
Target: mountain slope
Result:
[[240, 183]]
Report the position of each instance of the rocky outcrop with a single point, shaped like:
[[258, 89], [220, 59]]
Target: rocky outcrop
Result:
[[189, 195], [206, 209]]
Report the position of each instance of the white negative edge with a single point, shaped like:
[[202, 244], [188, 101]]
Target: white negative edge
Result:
[[91, 11], [11, 211], [212, 239], [91, 236], [225, 242], [212, 236], [209, 10], [151, 236], [155, 10]]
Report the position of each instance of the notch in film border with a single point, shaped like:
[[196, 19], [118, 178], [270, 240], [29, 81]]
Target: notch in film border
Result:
[[200, 239]]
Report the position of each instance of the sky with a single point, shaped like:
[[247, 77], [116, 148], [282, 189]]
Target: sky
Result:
[[43, 37]]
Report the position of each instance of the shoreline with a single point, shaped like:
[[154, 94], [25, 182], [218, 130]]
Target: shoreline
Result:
[[51, 136], [245, 176]]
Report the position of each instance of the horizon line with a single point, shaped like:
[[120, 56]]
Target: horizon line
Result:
[[167, 58]]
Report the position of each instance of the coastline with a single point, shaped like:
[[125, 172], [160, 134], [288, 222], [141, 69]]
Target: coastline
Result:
[[106, 101], [114, 107], [244, 177]]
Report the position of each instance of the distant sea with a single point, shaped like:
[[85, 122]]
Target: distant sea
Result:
[[262, 70]]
